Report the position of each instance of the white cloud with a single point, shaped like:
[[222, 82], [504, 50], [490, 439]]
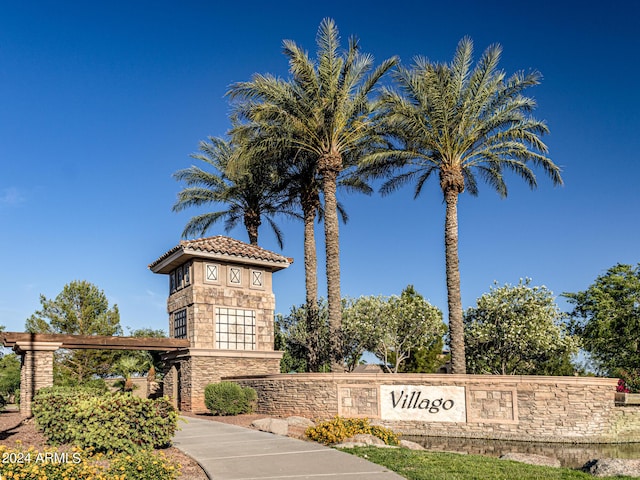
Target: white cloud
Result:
[[11, 196]]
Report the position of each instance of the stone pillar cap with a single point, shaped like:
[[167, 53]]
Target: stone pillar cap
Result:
[[37, 346]]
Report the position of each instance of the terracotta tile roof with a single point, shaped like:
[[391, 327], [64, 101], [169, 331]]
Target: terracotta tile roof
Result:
[[224, 246]]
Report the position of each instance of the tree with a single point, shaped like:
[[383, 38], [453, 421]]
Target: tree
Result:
[[423, 359], [325, 111], [127, 366], [302, 187], [464, 125], [249, 196], [518, 330], [9, 376], [146, 359], [294, 336], [606, 316], [410, 323], [394, 327], [80, 309], [299, 181], [299, 342]]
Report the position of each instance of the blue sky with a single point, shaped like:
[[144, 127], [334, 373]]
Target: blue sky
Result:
[[100, 102]]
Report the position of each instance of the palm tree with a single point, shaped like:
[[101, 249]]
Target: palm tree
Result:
[[303, 187], [296, 177], [250, 196], [462, 124], [325, 111]]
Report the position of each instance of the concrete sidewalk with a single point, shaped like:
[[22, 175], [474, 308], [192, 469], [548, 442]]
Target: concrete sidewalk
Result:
[[229, 452]]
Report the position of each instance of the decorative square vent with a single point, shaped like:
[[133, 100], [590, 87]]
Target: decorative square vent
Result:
[[234, 276], [257, 278], [211, 273]]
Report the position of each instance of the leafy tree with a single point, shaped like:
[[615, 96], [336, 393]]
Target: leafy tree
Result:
[[297, 339], [606, 316], [294, 337], [323, 110], [518, 330], [249, 196], [423, 359], [463, 125], [9, 375], [358, 333], [80, 309], [290, 339], [146, 359], [398, 325], [391, 327]]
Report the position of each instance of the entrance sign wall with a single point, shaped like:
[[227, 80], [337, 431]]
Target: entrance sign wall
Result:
[[527, 408]]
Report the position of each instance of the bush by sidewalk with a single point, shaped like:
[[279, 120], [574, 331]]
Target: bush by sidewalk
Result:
[[228, 398], [117, 422]]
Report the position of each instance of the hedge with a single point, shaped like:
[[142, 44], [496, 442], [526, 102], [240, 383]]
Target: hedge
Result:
[[116, 422]]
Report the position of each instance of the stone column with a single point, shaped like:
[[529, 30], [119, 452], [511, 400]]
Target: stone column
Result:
[[36, 371]]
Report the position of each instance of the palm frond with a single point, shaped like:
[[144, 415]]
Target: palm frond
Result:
[[199, 224], [276, 230]]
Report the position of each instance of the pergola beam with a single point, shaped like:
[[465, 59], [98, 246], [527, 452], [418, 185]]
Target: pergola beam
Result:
[[11, 339]]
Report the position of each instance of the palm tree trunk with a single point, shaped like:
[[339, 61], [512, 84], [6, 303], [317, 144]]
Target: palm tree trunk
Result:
[[329, 168], [309, 207], [252, 223], [454, 298]]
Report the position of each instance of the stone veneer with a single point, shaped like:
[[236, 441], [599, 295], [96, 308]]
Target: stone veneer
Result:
[[200, 300], [527, 408], [191, 371], [218, 282], [36, 371]]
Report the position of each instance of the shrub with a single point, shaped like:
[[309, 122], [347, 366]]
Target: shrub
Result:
[[144, 466], [228, 398], [55, 410], [78, 463], [105, 422], [339, 428]]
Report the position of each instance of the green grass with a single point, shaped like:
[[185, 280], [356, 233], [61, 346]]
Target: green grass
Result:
[[422, 465]]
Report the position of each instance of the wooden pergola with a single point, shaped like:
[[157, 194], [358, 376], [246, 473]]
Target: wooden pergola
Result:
[[102, 342], [36, 351]]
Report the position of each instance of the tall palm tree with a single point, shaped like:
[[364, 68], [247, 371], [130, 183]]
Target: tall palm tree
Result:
[[325, 111], [296, 177], [303, 187], [463, 124], [249, 196]]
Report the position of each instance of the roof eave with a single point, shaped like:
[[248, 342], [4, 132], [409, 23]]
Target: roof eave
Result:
[[178, 257]]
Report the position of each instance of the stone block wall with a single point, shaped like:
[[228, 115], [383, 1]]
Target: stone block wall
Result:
[[197, 368], [528, 408], [201, 298]]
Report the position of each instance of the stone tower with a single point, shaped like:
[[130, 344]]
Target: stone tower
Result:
[[221, 300]]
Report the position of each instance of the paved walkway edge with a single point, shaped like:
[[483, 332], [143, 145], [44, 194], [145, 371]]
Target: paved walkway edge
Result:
[[229, 452]]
